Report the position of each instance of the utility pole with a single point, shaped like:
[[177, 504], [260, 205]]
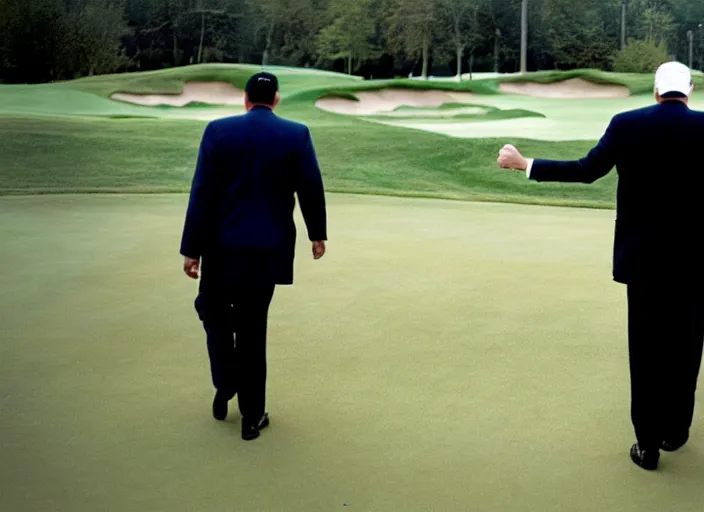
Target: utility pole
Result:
[[699, 53], [524, 37], [624, 6]]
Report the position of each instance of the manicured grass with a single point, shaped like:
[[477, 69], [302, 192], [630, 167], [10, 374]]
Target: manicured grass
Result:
[[171, 81], [444, 356], [60, 155], [636, 83], [70, 137], [445, 106], [460, 114]]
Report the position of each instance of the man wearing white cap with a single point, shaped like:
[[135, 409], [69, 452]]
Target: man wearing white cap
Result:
[[657, 251]]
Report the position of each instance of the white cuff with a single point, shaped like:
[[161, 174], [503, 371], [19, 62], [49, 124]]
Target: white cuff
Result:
[[530, 166]]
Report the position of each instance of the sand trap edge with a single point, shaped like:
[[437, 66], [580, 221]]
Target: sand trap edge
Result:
[[573, 88], [210, 93]]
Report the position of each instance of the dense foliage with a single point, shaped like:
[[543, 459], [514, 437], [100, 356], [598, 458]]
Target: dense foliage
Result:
[[43, 40]]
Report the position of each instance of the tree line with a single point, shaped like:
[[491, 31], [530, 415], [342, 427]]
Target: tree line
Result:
[[46, 40]]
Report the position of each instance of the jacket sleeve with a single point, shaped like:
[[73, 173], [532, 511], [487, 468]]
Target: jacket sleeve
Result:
[[597, 164], [310, 191], [197, 225]]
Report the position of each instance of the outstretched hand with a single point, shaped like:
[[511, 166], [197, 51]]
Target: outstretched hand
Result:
[[319, 249], [511, 158]]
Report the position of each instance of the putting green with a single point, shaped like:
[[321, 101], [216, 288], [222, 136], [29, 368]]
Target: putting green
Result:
[[444, 356], [71, 138], [564, 119]]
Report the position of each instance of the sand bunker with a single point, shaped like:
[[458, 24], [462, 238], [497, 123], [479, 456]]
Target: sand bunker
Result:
[[212, 93], [576, 88], [387, 100]]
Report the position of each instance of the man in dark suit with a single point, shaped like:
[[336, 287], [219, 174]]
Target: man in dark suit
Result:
[[657, 254], [240, 226]]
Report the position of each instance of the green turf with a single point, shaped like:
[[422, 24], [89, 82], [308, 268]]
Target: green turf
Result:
[[565, 120], [69, 137], [292, 80], [491, 114], [636, 83], [444, 356], [49, 156], [444, 106]]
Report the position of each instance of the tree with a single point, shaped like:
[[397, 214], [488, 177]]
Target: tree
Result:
[[349, 34], [461, 16], [269, 14], [412, 28], [658, 26], [32, 40], [96, 37], [640, 57], [568, 35], [624, 11], [524, 36]]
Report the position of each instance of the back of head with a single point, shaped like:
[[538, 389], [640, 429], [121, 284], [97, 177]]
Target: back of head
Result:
[[262, 89], [673, 81]]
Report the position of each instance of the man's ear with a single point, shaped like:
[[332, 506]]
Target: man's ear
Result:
[[277, 99], [247, 104]]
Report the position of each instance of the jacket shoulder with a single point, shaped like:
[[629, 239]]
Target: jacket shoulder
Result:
[[635, 114], [226, 122], [293, 126]]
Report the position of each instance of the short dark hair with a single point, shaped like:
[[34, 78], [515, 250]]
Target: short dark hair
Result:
[[673, 95], [262, 88]]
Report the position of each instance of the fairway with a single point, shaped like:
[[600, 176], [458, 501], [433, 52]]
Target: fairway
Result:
[[444, 356], [411, 138]]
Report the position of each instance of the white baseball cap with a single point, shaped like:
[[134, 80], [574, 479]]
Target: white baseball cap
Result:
[[673, 77]]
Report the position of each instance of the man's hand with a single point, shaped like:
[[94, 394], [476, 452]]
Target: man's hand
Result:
[[511, 158], [318, 249], [191, 267]]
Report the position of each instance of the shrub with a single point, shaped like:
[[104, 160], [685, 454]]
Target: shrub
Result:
[[640, 57]]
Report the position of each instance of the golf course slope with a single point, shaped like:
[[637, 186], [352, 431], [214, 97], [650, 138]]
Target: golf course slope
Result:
[[574, 88], [212, 93], [388, 100], [140, 132]]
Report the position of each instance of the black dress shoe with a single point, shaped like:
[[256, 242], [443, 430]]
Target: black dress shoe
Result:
[[220, 405], [672, 445], [645, 459], [251, 431]]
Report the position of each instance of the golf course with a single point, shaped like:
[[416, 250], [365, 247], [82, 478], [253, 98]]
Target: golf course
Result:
[[461, 347]]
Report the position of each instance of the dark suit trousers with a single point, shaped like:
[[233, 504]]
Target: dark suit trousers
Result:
[[234, 313], [666, 334]]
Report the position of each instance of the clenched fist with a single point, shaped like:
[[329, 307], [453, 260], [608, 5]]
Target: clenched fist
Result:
[[511, 158]]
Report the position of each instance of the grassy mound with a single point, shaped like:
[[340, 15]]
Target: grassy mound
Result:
[[170, 81], [155, 156], [69, 137], [636, 83], [456, 112]]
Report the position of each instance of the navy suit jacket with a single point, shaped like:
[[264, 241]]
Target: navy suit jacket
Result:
[[242, 200], [660, 209]]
